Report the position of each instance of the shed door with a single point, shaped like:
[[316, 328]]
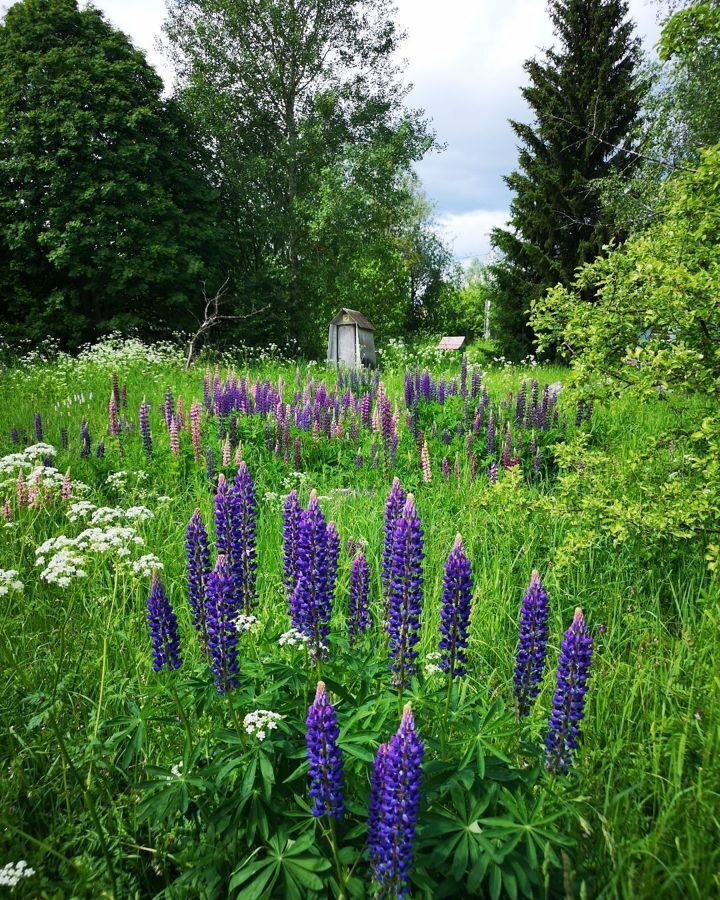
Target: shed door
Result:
[[346, 344]]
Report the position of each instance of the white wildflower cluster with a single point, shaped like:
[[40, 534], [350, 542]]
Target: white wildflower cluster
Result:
[[431, 666], [175, 772], [146, 564], [107, 515], [9, 581], [25, 461], [292, 637], [116, 351], [261, 721], [246, 623], [118, 481], [65, 558], [294, 479], [13, 873]]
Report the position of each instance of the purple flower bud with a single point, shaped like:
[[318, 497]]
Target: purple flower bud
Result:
[[532, 645], [405, 593], [198, 571], [163, 626], [358, 608], [324, 757], [393, 811], [222, 630], [312, 600], [38, 428], [568, 707], [455, 611]]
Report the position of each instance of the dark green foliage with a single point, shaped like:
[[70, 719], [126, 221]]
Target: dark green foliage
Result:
[[313, 147], [585, 99], [106, 219]]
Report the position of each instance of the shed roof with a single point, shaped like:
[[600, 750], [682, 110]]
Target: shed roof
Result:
[[451, 342], [354, 316]]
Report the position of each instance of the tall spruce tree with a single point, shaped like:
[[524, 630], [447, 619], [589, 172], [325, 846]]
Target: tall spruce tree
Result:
[[585, 95]]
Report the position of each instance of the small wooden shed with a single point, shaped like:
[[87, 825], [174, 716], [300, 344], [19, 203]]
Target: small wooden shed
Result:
[[351, 340]]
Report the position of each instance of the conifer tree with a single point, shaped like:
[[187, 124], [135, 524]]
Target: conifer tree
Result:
[[585, 95]]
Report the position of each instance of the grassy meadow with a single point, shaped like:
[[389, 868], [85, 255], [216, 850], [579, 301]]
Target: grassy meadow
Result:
[[126, 782]]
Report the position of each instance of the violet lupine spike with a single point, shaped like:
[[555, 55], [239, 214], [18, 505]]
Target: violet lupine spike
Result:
[[455, 611], [491, 434], [145, 428], [223, 519], [244, 551], [333, 556], [221, 612], [393, 507], [38, 428], [532, 645], [198, 572], [163, 626], [324, 757], [100, 451], [168, 408], [493, 472], [358, 608], [312, 598], [445, 468], [568, 707], [291, 524], [405, 593], [393, 811], [113, 425], [85, 441]]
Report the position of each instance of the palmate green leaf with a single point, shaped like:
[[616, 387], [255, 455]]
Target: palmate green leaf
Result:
[[290, 860]]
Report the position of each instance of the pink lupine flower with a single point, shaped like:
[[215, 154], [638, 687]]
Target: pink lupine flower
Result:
[[66, 489], [174, 436]]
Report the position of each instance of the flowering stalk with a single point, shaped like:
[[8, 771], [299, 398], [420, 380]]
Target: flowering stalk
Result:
[[66, 488], [244, 552], [145, 428], [532, 645], [324, 757], [198, 571], [568, 707], [221, 613], [455, 611], [113, 425], [405, 593], [394, 802], [393, 508], [163, 626], [425, 463], [358, 609], [312, 597], [333, 556], [195, 417], [174, 437], [291, 523]]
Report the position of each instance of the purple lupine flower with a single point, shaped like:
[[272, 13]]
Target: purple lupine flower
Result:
[[537, 462], [113, 424], [223, 519], [63, 438], [297, 455], [445, 468], [520, 404], [100, 451], [393, 809], [491, 434], [312, 598], [16, 440], [333, 555], [532, 645], [324, 757], [210, 463], [115, 388], [493, 472], [243, 555], [168, 408], [145, 428], [291, 522], [358, 609], [163, 626], [85, 441], [568, 707], [463, 375], [405, 593], [359, 461], [221, 612], [38, 428], [393, 508], [455, 611], [198, 571]]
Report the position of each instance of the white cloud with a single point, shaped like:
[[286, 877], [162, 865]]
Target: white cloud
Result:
[[468, 233]]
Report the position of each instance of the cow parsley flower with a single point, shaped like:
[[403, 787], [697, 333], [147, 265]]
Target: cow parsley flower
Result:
[[292, 637], [13, 873], [259, 722], [145, 565], [247, 623], [80, 510], [9, 581]]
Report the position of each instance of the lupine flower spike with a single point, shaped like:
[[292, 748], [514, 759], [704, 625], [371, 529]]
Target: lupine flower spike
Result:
[[358, 611], [222, 630], [324, 757], [244, 557], [163, 626], [312, 598], [394, 802], [291, 522], [66, 488], [393, 508], [198, 571], [455, 611], [532, 645], [568, 706], [405, 593]]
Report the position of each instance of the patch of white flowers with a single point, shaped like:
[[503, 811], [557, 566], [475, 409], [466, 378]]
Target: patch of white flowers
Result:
[[80, 510], [64, 558], [247, 623], [261, 721], [431, 666], [292, 637], [9, 581], [13, 873], [107, 515], [26, 460], [146, 565]]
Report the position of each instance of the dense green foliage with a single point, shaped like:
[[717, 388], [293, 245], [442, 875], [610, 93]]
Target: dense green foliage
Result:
[[104, 206], [303, 105], [126, 782], [585, 98]]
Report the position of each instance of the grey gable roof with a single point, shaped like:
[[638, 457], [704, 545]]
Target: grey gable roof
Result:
[[355, 316]]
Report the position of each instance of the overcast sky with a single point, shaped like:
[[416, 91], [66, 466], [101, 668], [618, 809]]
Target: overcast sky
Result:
[[464, 59]]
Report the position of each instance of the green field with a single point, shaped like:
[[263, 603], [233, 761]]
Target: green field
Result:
[[120, 781]]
